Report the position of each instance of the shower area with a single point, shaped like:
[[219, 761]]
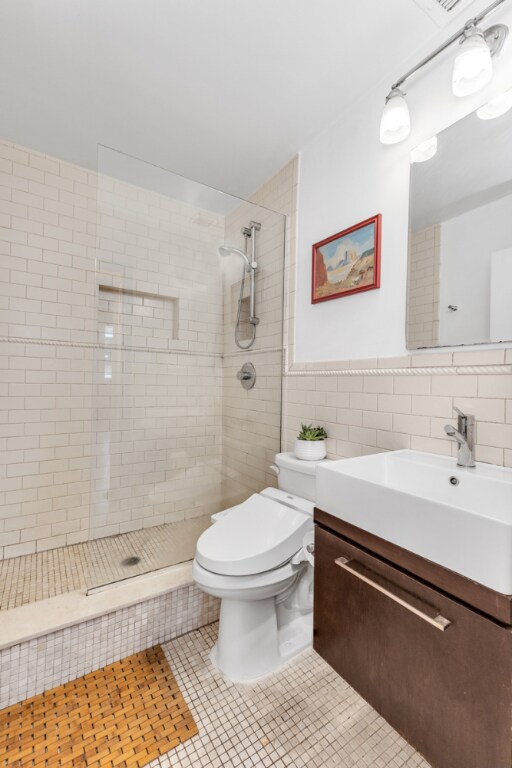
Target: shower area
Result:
[[141, 344]]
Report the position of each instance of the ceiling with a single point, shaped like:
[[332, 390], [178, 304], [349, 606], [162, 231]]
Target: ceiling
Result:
[[221, 91]]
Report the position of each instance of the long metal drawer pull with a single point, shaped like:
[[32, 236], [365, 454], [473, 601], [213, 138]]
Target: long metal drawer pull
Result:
[[439, 622]]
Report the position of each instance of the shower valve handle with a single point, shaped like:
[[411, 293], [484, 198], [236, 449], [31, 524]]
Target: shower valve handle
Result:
[[247, 375]]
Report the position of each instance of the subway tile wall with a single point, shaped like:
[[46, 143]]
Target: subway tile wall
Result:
[[48, 442], [252, 419], [423, 287], [111, 340], [401, 409], [159, 386]]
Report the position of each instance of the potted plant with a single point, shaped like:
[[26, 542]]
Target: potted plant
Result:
[[310, 443]]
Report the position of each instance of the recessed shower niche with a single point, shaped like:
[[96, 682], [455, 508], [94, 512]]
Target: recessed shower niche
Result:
[[136, 319]]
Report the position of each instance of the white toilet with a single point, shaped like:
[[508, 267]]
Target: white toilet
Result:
[[256, 560]]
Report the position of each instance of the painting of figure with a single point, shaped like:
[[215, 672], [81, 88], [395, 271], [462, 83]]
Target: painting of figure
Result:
[[348, 262]]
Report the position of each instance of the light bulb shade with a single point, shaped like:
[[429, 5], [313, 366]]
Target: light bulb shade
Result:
[[395, 124], [424, 151], [472, 68], [496, 107]]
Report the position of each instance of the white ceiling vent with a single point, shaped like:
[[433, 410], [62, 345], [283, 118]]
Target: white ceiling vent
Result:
[[443, 11]]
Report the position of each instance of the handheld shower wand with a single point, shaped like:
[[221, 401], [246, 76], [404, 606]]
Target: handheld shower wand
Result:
[[250, 266]]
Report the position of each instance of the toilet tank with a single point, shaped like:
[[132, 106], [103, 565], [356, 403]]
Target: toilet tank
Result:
[[297, 476]]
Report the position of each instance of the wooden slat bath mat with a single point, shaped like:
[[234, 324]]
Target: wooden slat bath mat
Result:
[[122, 716]]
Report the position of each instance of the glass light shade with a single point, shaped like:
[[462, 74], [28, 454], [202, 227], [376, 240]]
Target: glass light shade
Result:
[[395, 124], [424, 151], [472, 68], [496, 107]]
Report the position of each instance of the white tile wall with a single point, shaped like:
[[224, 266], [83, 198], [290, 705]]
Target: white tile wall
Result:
[[423, 288], [114, 394], [158, 440], [152, 244], [48, 434], [252, 420], [111, 399], [251, 425]]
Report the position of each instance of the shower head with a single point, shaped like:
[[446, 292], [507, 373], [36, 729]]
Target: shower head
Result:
[[227, 250]]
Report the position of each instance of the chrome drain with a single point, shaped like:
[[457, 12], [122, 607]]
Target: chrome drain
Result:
[[128, 561]]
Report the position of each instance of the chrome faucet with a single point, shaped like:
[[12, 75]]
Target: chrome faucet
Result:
[[464, 435]]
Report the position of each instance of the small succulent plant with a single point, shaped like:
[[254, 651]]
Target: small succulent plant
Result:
[[309, 432]]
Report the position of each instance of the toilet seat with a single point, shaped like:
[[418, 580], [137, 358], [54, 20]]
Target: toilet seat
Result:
[[256, 536], [257, 586]]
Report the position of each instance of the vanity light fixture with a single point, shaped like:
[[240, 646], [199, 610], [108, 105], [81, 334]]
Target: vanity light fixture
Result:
[[472, 71], [424, 151], [472, 68], [496, 107], [395, 124]]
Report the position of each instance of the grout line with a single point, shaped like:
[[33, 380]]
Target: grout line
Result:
[[121, 348]]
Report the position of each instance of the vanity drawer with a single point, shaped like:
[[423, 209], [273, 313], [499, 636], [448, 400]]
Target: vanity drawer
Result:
[[438, 672]]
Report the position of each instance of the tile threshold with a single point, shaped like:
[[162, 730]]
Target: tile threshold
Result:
[[54, 613]]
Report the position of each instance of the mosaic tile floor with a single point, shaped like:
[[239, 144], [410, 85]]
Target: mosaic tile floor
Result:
[[304, 715], [94, 563]]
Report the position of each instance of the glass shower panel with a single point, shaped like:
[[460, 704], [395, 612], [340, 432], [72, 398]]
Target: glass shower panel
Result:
[[176, 436]]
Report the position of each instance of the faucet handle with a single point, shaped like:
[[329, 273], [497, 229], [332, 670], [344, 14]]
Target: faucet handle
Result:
[[466, 418], [462, 421], [465, 425]]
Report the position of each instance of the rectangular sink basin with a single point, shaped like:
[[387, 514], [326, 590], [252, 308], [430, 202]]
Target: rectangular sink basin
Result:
[[458, 517]]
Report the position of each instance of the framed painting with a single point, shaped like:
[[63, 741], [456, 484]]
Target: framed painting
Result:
[[348, 262]]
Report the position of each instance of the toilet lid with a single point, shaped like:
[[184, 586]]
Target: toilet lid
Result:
[[256, 536]]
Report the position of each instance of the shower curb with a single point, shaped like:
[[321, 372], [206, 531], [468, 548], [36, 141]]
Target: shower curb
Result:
[[36, 658]]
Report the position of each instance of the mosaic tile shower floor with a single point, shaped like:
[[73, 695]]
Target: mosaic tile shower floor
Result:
[[35, 577], [304, 715]]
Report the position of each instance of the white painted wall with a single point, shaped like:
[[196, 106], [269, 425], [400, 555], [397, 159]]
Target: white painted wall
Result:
[[467, 243], [347, 176]]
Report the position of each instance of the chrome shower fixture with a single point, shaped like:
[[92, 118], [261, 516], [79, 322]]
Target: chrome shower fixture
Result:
[[250, 266], [228, 250]]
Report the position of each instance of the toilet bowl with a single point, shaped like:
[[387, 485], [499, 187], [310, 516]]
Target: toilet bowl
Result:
[[254, 559]]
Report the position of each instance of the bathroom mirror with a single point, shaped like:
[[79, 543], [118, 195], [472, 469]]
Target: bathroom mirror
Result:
[[460, 235]]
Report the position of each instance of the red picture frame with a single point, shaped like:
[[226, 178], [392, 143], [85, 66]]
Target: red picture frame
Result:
[[347, 262]]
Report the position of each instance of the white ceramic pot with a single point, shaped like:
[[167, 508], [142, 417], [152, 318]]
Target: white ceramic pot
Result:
[[310, 450]]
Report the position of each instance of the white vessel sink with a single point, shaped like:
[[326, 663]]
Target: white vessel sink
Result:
[[458, 517]]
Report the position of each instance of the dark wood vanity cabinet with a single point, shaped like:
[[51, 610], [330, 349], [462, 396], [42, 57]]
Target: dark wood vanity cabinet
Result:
[[437, 669]]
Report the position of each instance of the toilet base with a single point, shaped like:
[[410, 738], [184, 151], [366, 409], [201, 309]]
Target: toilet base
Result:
[[250, 643], [295, 637]]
